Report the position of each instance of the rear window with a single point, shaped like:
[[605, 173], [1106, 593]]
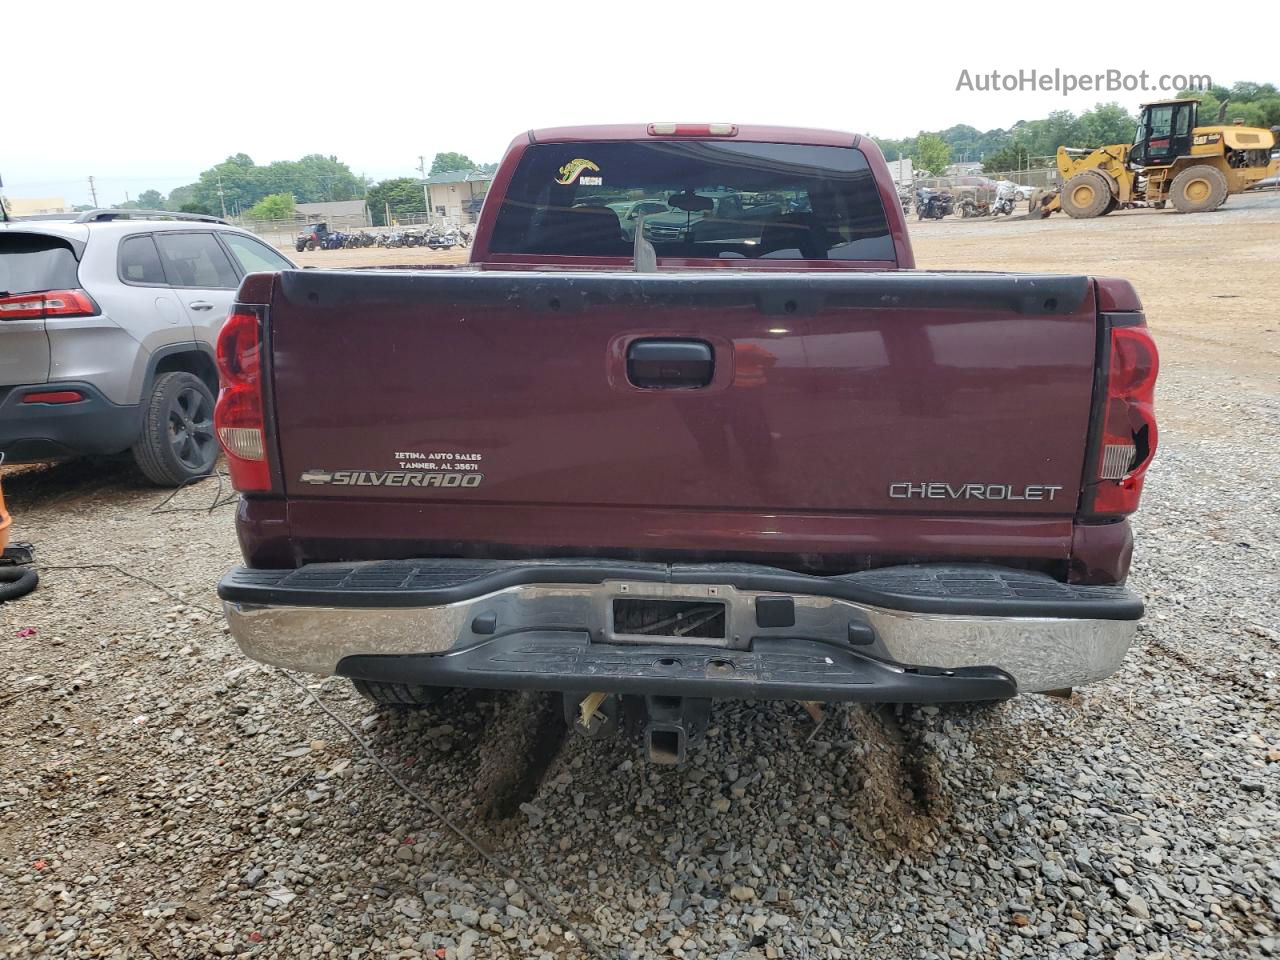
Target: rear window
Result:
[[139, 262], [32, 262], [705, 199]]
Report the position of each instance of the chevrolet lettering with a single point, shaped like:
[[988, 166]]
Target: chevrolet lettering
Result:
[[972, 491]]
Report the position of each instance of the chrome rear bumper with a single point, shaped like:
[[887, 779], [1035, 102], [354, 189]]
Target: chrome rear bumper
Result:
[[317, 621]]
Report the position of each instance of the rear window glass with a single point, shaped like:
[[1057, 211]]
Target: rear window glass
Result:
[[705, 199], [139, 262], [31, 262]]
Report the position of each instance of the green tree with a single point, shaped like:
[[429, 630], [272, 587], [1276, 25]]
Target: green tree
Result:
[[1269, 107], [892, 149], [240, 183], [1257, 104], [1105, 124], [1013, 156], [182, 195], [403, 194], [449, 162], [231, 182], [313, 179], [275, 206], [932, 154], [151, 200]]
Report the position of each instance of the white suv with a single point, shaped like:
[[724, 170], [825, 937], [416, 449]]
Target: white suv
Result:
[[107, 327]]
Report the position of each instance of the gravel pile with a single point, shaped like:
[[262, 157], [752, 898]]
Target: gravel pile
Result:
[[162, 797]]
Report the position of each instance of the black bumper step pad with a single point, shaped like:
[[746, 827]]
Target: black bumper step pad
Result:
[[784, 669]]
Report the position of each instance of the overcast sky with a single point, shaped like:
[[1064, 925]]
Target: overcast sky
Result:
[[145, 95]]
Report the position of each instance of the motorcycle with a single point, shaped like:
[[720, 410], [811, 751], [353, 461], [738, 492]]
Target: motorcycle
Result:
[[1007, 197], [442, 239], [933, 205], [968, 207]]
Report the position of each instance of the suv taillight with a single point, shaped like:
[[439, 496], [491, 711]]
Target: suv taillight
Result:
[[1125, 430], [47, 303], [238, 415]]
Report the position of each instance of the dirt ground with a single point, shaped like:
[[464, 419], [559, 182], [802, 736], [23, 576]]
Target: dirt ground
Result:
[[161, 797], [375, 257]]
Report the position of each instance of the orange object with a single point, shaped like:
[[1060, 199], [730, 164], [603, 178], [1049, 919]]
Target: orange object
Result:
[[5, 520]]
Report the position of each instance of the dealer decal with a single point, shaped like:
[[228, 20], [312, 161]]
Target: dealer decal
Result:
[[972, 491], [572, 170], [391, 478]]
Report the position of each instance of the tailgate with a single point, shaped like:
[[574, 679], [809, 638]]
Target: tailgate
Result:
[[905, 393]]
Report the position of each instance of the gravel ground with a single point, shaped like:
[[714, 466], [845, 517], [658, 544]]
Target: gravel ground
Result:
[[162, 797]]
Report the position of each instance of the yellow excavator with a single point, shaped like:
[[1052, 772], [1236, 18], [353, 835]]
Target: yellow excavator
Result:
[[1171, 160]]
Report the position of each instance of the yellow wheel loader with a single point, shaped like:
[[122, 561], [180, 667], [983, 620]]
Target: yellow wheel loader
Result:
[[1171, 160]]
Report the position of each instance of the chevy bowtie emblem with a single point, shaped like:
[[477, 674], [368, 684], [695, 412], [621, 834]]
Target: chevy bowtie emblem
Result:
[[316, 476]]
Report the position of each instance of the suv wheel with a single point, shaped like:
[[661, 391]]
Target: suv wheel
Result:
[[177, 443]]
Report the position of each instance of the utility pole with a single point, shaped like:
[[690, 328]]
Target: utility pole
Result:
[[426, 191], [93, 192], [222, 197]]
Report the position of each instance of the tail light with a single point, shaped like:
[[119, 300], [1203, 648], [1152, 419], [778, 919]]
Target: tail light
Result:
[[47, 303], [1125, 429], [238, 415]]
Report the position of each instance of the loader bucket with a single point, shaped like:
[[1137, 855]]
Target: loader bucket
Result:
[[1042, 203]]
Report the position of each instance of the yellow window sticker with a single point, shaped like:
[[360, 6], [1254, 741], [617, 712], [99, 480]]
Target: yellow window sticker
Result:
[[572, 170]]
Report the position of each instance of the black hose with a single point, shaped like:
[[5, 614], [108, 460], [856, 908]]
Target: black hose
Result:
[[17, 581]]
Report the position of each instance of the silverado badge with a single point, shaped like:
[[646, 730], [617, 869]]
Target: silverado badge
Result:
[[392, 478]]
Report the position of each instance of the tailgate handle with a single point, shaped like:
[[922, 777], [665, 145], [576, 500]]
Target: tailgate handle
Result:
[[670, 364]]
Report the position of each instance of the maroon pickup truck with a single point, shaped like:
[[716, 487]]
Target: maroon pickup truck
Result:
[[743, 450]]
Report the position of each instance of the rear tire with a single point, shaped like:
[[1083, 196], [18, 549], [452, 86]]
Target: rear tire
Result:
[[1198, 189], [397, 694], [177, 442], [1086, 195]]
